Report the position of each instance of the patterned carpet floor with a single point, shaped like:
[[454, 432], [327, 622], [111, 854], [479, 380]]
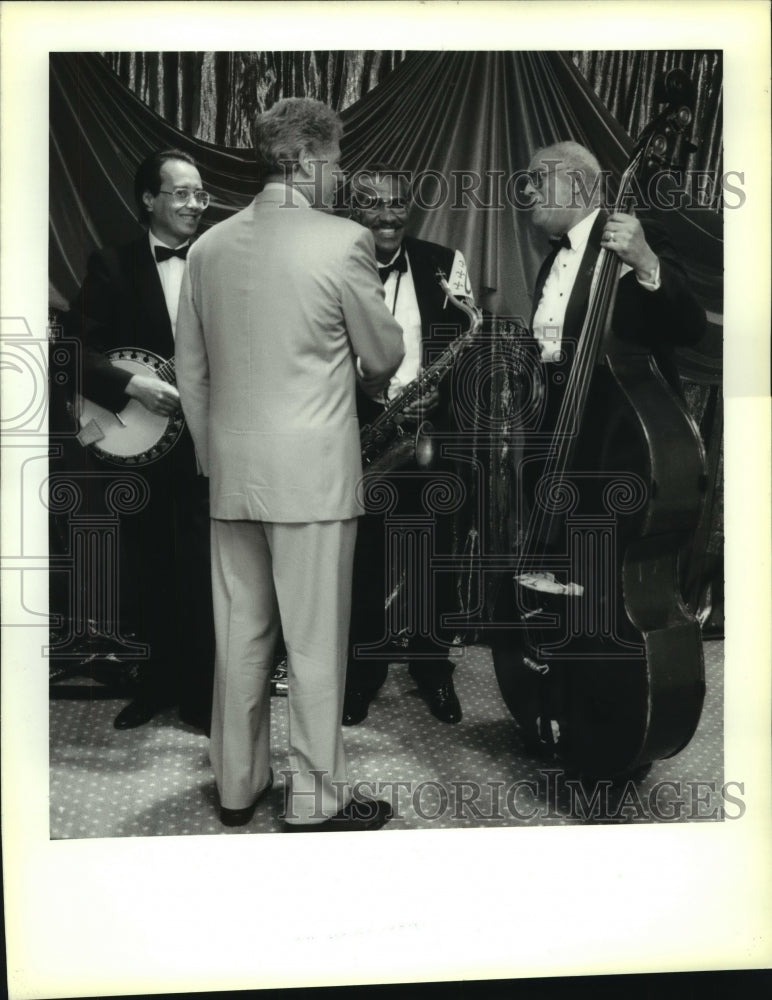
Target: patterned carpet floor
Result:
[[156, 780]]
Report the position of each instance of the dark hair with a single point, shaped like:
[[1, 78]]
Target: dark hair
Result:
[[361, 180], [291, 126], [148, 176]]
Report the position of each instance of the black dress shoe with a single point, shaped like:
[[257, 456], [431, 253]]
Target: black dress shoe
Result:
[[355, 706], [359, 814], [239, 817], [136, 713], [443, 702]]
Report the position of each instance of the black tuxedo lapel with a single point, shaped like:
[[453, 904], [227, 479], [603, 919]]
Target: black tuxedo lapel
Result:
[[541, 278], [425, 260], [150, 299], [423, 266], [556, 374], [580, 293]]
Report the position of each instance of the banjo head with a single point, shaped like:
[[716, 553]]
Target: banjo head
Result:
[[135, 436]]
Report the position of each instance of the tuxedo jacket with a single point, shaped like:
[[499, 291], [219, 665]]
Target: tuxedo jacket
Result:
[[276, 303], [121, 304], [658, 321], [655, 321], [441, 321]]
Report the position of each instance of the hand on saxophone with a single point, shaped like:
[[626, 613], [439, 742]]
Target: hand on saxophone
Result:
[[417, 410]]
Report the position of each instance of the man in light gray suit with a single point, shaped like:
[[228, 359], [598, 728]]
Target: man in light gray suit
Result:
[[281, 311]]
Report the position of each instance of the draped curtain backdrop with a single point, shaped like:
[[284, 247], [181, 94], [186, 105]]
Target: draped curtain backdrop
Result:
[[443, 115], [215, 96]]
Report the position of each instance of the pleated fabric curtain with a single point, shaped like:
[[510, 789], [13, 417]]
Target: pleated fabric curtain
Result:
[[215, 96]]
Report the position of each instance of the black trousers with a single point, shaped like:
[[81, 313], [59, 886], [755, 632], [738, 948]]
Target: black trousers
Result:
[[159, 577], [166, 590], [398, 596]]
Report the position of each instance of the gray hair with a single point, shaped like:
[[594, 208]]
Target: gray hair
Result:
[[575, 157], [291, 126]]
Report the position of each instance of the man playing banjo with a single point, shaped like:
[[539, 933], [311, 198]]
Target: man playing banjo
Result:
[[125, 317]]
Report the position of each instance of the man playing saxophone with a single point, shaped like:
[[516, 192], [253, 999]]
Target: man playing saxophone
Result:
[[410, 270]]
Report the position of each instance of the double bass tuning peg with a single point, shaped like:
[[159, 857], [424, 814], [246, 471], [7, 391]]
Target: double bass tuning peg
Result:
[[674, 87]]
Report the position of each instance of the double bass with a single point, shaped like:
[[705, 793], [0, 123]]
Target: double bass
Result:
[[595, 651]]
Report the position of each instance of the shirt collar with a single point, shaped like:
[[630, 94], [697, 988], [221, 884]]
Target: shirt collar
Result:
[[580, 233], [387, 263]]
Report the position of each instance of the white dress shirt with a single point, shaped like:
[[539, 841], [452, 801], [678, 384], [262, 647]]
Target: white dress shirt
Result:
[[399, 290], [550, 313], [170, 272]]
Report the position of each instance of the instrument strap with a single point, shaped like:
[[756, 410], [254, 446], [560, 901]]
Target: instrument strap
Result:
[[396, 293]]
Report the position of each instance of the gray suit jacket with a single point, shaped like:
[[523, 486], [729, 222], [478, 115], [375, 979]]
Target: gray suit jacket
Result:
[[276, 303]]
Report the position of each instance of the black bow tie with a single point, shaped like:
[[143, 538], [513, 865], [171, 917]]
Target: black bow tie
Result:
[[166, 253], [560, 242], [399, 265]]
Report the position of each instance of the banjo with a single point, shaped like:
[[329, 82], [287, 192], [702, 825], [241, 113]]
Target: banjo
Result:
[[135, 436]]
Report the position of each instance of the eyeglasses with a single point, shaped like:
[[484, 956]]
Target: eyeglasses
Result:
[[536, 178], [181, 196]]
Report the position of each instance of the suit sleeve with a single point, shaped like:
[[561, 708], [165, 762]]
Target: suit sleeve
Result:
[[91, 320], [671, 315], [192, 367], [375, 335]]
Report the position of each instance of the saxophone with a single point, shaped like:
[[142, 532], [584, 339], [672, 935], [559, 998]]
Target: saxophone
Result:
[[385, 442]]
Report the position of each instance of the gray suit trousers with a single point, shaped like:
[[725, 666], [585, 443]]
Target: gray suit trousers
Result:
[[297, 575]]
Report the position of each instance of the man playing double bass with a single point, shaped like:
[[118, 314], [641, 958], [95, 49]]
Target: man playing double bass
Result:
[[650, 310], [654, 304]]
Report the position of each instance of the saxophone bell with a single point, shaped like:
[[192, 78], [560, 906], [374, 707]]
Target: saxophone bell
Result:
[[424, 445]]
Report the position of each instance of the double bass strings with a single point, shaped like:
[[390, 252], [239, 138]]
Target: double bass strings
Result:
[[578, 385]]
